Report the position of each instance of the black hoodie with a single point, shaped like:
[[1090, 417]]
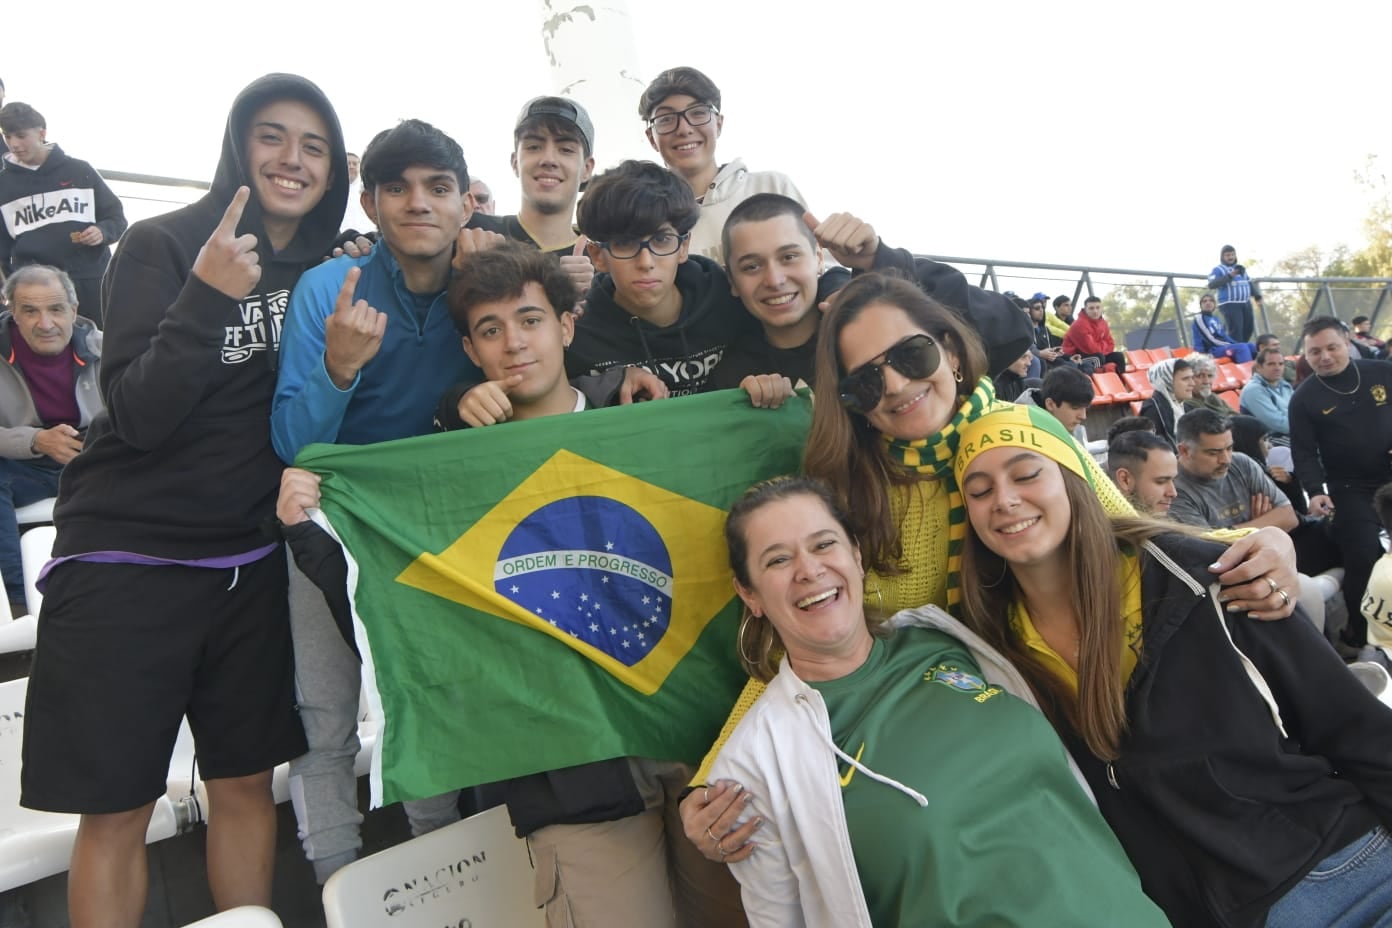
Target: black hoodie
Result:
[[42, 207], [182, 465], [682, 354]]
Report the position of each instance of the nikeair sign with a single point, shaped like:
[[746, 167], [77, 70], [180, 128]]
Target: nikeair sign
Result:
[[73, 204]]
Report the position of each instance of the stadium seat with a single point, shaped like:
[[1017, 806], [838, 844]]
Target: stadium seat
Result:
[[475, 872], [1136, 408], [1225, 379], [1139, 382], [246, 916], [1244, 371], [1181, 351], [35, 549], [1110, 389], [1231, 397], [1138, 359], [40, 513], [1160, 354]]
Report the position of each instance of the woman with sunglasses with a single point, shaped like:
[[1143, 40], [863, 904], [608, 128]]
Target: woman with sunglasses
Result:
[[880, 749], [1247, 773], [898, 376]]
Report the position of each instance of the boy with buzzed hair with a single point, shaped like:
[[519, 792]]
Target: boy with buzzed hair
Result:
[[166, 598], [681, 108], [655, 306]]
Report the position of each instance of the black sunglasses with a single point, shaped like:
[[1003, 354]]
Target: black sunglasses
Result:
[[916, 357]]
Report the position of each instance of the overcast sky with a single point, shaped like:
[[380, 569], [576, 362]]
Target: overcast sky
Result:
[[1130, 135]]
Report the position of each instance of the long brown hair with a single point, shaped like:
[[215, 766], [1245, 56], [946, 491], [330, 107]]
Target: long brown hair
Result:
[[1091, 547], [843, 448]]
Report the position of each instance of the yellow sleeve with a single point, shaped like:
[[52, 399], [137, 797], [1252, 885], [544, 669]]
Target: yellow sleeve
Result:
[[753, 689]]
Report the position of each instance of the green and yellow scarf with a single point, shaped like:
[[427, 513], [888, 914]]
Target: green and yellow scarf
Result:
[[933, 456]]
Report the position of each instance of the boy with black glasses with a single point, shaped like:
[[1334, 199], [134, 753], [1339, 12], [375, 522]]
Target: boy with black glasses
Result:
[[653, 305], [682, 110]]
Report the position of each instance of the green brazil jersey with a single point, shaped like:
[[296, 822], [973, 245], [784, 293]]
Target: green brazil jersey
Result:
[[1009, 837]]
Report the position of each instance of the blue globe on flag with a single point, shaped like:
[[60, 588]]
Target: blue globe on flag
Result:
[[592, 567]]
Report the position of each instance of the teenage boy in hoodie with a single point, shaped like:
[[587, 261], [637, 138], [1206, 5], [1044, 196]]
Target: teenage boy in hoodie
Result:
[[54, 209], [369, 346], [653, 305], [681, 108], [166, 598]]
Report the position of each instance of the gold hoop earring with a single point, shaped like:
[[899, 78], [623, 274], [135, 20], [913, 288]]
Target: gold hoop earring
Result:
[[743, 627]]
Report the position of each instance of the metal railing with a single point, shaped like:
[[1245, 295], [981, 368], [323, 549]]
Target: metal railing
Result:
[[1300, 298]]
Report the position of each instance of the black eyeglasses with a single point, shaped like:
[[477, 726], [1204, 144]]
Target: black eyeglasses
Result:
[[916, 358], [697, 115], [661, 245]]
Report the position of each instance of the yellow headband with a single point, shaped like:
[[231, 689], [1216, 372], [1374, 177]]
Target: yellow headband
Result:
[[1020, 427]]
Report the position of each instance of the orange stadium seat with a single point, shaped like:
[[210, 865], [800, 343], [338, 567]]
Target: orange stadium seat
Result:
[[1111, 390], [1139, 382], [1232, 399]]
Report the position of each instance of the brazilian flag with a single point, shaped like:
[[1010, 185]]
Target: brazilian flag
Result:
[[540, 594]]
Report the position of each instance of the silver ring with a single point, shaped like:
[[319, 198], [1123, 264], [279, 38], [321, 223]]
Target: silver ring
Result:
[[712, 837], [706, 794], [1274, 587], [1285, 597]]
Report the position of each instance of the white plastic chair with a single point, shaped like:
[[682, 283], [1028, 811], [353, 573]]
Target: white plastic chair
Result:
[[35, 549], [34, 845], [472, 872], [246, 916], [36, 513]]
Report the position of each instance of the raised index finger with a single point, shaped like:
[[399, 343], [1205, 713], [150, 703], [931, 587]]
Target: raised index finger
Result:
[[233, 215], [345, 293]]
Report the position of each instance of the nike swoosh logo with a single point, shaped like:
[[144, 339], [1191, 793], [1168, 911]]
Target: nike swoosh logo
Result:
[[846, 780], [1329, 410]]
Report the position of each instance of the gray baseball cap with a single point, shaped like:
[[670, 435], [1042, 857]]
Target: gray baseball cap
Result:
[[560, 108]]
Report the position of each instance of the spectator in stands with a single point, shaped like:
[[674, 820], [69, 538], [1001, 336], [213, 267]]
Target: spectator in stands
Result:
[[1219, 488], [1188, 722], [368, 348], [48, 398], [834, 682], [1062, 318], [54, 209], [1204, 397], [682, 110], [1377, 600], [1361, 333], [1089, 340], [1066, 394], [1143, 466], [1341, 437], [1236, 291], [1048, 347], [552, 156], [482, 196], [1208, 335], [1173, 380], [1013, 381], [1267, 395], [1271, 341], [656, 306], [355, 217], [166, 599], [1252, 437]]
